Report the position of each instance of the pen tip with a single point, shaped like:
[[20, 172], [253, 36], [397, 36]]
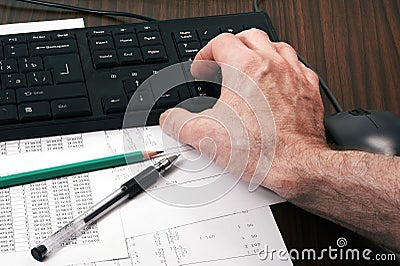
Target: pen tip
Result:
[[159, 152], [173, 158]]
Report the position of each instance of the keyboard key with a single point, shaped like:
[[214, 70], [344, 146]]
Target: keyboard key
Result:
[[207, 34], [39, 78], [123, 30], [130, 56], [54, 47], [34, 111], [39, 37], [14, 40], [8, 66], [149, 38], [63, 35], [131, 85], [48, 93], [13, 81], [70, 107], [65, 68], [188, 49], [185, 36], [146, 28], [98, 32], [154, 54], [30, 64], [7, 97], [126, 41], [142, 100], [114, 104], [232, 29], [1, 52], [104, 59], [16, 50], [168, 100], [8, 114], [101, 43], [203, 88]]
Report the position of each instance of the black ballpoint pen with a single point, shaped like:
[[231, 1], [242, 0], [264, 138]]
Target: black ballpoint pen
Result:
[[128, 190]]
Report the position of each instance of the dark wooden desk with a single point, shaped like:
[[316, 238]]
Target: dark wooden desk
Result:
[[353, 44]]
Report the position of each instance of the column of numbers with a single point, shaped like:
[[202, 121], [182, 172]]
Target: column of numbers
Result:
[[6, 223]]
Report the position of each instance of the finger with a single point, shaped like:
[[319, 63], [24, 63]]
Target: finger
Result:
[[186, 127], [290, 55], [225, 49], [257, 40]]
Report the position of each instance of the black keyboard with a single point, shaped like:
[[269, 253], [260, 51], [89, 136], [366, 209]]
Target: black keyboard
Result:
[[81, 80]]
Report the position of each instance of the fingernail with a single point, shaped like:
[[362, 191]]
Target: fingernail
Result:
[[163, 116]]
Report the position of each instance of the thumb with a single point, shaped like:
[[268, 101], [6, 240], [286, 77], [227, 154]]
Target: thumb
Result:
[[187, 127], [180, 124]]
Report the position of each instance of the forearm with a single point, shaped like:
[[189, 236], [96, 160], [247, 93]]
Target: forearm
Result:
[[356, 189]]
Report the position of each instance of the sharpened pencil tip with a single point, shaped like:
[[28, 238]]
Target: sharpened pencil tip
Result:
[[159, 152]]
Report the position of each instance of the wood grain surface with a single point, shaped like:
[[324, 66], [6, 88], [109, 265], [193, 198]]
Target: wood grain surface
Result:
[[353, 44]]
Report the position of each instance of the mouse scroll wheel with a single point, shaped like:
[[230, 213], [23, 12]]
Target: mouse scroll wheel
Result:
[[359, 112]]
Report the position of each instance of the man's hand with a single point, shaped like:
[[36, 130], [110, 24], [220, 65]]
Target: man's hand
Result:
[[272, 79], [359, 190]]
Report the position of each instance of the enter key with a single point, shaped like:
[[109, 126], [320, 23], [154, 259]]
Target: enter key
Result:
[[65, 68]]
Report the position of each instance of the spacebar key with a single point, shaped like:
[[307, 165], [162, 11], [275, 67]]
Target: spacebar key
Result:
[[70, 107]]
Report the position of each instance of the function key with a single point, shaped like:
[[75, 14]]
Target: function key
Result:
[[185, 36], [39, 37], [63, 35], [147, 28], [101, 43], [149, 38], [8, 114], [125, 40], [207, 34], [14, 40], [232, 29], [98, 32]]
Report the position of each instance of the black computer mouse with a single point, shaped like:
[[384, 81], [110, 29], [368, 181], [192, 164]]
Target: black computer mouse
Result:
[[371, 131]]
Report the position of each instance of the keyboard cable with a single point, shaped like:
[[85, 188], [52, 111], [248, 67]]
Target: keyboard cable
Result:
[[331, 97], [88, 10]]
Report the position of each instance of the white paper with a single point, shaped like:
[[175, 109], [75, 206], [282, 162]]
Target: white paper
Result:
[[145, 231], [42, 25]]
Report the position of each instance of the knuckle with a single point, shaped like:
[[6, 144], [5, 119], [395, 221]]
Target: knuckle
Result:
[[284, 47]]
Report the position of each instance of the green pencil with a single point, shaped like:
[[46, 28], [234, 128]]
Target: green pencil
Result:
[[76, 168]]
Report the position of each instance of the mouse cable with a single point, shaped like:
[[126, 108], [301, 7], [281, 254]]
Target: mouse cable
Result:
[[88, 10], [322, 83]]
